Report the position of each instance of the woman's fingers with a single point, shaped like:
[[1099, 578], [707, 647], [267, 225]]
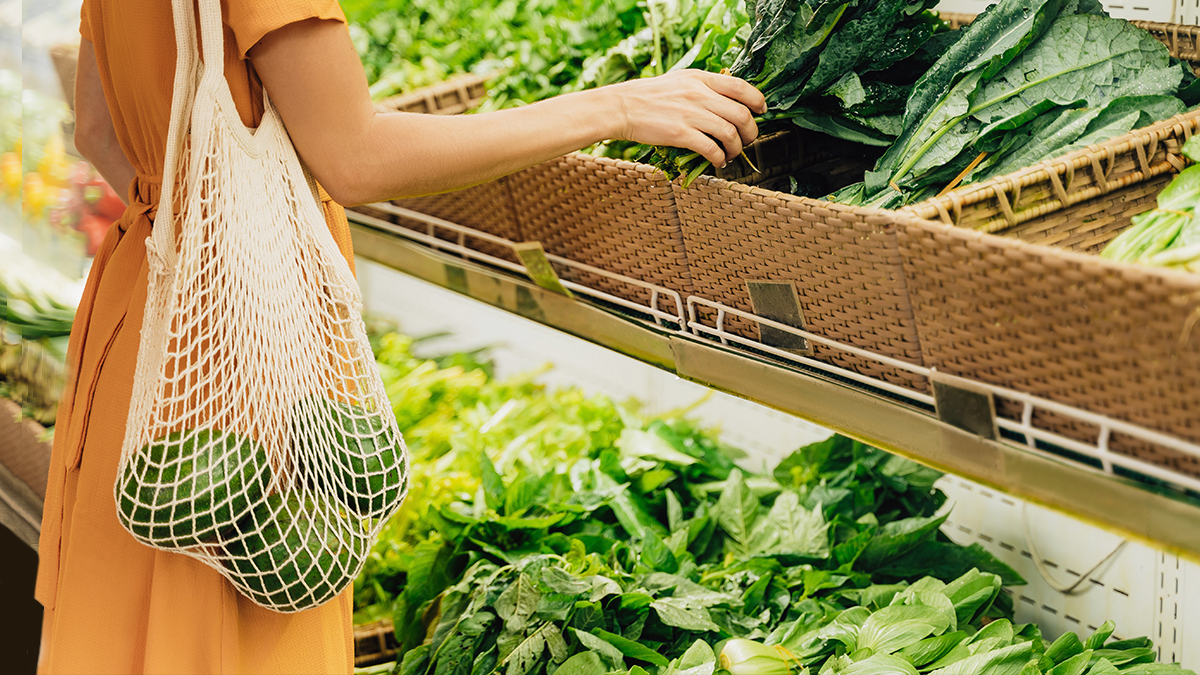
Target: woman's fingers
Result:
[[698, 142], [739, 115], [735, 88], [707, 113], [725, 132]]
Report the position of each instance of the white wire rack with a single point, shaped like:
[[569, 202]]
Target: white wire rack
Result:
[[1023, 433], [1026, 427], [663, 305]]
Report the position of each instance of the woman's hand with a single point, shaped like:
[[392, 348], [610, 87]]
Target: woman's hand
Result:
[[688, 109]]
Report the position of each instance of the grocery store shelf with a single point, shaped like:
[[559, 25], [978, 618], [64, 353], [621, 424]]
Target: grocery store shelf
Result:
[[20, 508], [888, 416]]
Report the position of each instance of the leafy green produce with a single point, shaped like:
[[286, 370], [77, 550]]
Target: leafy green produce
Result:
[[37, 310], [1028, 80], [33, 310], [842, 68], [1168, 236], [915, 632], [578, 536], [181, 490], [290, 548], [681, 545], [533, 49]]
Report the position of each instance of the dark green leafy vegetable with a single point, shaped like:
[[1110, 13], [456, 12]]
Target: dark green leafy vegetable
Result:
[[915, 631], [1029, 80], [841, 68]]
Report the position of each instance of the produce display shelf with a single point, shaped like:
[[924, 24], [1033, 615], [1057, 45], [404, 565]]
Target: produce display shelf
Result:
[[1086, 480], [24, 463]]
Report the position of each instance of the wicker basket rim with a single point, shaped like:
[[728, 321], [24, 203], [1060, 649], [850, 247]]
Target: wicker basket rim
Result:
[[461, 82], [1137, 140]]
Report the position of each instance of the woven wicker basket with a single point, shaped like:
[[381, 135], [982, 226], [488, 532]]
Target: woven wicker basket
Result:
[[1030, 204], [843, 262], [615, 215], [1049, 320], [612, 214], [622, 217], [374, 643], [486, 207], [1115, 339], [456, 95]]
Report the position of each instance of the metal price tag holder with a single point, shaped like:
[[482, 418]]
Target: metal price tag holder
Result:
[[778, 301], [964, 404]]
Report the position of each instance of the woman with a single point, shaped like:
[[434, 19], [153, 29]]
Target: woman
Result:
[[112, 604]]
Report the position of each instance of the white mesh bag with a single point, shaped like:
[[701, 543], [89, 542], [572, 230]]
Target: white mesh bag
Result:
[[260, 438]]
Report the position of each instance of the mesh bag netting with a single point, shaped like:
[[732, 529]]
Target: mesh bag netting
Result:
[[260, 439]]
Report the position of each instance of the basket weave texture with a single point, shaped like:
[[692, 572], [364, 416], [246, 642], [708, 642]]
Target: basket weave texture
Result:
[[374, 643], [844, 263], [1181, 40], [1111, 338], [616, 215], [486, 207], [456, 95]]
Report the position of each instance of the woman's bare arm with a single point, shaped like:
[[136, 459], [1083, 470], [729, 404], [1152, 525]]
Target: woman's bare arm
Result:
[[95, 136], [314, 78]]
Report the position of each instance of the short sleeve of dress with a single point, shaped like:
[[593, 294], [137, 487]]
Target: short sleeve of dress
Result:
[[85, 22], [250, 20]]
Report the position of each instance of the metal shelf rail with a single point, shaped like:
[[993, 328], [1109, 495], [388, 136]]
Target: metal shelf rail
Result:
[[1084, 479]]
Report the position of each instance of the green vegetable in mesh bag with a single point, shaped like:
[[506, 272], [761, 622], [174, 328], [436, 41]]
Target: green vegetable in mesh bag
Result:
[[183, 488], [364, 466], [296, 551]]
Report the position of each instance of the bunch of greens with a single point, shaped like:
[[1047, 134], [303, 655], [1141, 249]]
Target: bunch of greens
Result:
[[540, 48], [536, 46], [1028, 80], [1168, 236], [658, 552], [702, 34], [934, 627], [839, 67], [678, 34], [551, 533]]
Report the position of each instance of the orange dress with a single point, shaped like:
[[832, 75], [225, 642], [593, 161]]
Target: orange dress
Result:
[[113, 605]]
